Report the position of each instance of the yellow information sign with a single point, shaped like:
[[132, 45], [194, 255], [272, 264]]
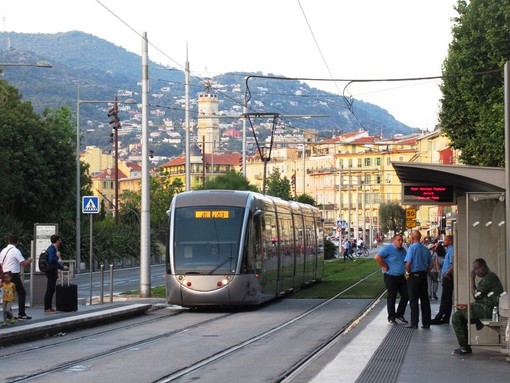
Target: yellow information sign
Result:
[[410, 213], [410, 223]]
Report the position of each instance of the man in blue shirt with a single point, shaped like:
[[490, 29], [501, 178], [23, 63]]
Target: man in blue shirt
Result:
[[445, 307], [391, 259], [52, 272], [418, 263]]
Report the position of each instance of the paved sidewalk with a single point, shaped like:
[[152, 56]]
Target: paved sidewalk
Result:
[[43, 324], [392, 353]]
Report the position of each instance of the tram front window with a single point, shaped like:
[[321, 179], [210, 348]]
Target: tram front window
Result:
[[206, 239]]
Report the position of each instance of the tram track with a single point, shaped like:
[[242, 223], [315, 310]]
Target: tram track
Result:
[[98, 331], [76, 362], [301, 364], [215, 356]]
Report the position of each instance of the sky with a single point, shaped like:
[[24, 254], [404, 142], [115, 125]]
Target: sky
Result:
[[316, 39]]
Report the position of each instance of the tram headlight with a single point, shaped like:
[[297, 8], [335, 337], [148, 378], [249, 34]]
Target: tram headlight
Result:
[[225, 281]]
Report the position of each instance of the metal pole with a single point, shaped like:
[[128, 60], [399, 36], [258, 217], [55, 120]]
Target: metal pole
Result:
[[187, 149], [507, 169], [371, 217], [111, 283], [91, 260], [101, 284], [116, 128], [203, 160], [145, 245], [245, 112], [340, 190], [357, 212], [304, 167], [78, 184], [349, 195], [363, 211]]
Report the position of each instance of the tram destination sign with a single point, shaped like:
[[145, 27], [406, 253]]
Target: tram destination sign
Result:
[[428, 194]]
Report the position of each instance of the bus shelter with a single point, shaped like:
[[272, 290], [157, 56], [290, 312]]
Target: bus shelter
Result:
[[480, 230]]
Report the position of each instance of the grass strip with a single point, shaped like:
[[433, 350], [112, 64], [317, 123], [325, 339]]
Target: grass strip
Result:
[[338, 275]]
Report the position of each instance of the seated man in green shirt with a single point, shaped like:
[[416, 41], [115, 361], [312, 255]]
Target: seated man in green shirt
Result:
[[486, 294]]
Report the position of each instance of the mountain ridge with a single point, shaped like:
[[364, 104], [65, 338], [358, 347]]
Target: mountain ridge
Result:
[[100, 69]]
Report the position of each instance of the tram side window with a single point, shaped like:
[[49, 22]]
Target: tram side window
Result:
[[252, 249], [269, 236], [287, 236], [310, 236], [299, 236]]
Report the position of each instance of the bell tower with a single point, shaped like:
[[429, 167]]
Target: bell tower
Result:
[[208, 128]]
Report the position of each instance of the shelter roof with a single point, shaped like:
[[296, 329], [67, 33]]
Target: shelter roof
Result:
[[465, 178]]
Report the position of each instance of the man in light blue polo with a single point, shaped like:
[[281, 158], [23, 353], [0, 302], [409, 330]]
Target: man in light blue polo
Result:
[[418, 263], [445, 307], [391, 259]]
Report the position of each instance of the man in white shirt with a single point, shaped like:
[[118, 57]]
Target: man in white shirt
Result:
[[12, 260], [347, 249]]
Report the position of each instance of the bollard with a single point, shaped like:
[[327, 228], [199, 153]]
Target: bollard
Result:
[[111, 283], [101, 284]]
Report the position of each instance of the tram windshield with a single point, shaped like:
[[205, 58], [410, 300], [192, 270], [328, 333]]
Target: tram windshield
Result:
[[206, 239]]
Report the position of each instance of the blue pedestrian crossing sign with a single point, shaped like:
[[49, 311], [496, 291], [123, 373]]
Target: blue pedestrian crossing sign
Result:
[[90, 204]]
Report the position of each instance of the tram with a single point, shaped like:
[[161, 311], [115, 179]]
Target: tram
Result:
[[240, 248]]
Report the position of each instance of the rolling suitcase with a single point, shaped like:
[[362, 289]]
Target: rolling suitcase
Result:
[[66, 295]]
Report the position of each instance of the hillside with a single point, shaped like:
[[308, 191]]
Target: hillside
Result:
[[101, 69]]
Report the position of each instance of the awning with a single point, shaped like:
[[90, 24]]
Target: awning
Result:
[[464, 178]]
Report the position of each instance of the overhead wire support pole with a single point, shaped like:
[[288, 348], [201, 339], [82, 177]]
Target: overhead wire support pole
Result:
[[145, 245], [245, 111], [263, 157], [186, 94], [507, 162], [78, 185], [116, 127]]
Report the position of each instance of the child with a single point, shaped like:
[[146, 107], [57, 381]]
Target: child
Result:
[[9, 295]]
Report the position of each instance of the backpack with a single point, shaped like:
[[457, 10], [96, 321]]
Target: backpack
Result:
[[1, 266], [43, 261]]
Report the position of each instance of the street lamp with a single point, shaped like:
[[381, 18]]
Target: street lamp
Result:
[[39, 64], [78, 169]]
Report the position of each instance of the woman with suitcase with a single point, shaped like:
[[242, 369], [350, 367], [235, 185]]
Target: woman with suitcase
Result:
[[52, 272]]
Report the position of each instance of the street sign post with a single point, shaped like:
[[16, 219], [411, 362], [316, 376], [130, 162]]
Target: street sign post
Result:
[[410, 218], [90, 206]]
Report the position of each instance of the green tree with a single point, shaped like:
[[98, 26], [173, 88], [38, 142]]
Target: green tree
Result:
[[306, 198], [278, 186], [392, 217], [329, 249], [231, 180], [129, 207], [472, 105], [37, 154], [162, 191]]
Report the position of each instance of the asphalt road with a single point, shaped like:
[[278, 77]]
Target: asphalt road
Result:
[[123, 280]]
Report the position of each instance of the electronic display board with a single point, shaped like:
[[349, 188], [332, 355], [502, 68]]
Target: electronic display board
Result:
[[211, 214], [428, 194]]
